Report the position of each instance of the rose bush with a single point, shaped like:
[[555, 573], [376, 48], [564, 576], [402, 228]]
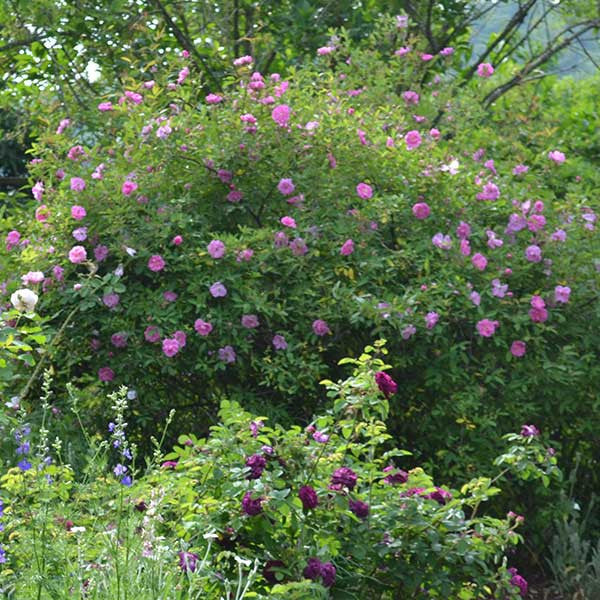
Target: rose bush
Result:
[[333, 510], [234, 244]]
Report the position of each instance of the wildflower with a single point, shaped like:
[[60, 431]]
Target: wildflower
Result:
[[440, 495], [105, 106], [100, 252], [463, 231], [119, 340], [320, 437], [177, 240], [448, 51], [411, 97], [213, 99], [325, 50], [242, 60], [490, 192]]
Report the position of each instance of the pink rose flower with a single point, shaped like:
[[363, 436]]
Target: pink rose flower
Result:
[[279, 342], [177, 240], [106, 374], [518, 348], [288, 222], [485, 70], [218, 290], [216, 249], [170, 347], [152, 334], [77, 254], [286, 186], [562, 293], [281, 115], [202, 328], [320, 327], [557, 156], [128, 187], [486, 328], [77, 184], [364, 191], [533, 253], [78, 212], [421, 210], [431, 318], [479, 261], [250, 321], [156, 263], [347, 248], [413, 139]]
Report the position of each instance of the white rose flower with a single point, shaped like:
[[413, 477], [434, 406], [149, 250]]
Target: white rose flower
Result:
[[24, 300]]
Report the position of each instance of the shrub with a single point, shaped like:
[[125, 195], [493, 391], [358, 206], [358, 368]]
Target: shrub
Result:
[[332, 510], [234, 245]]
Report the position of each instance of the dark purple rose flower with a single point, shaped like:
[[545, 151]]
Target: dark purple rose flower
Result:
[[328, 574], [439, 495], [395, 477], [359, 508], [417, 491], [529, 431], [308, 496], [187, 561], [257, 464], [315, 569], [343, 477], [252, 507], [385, 383], [270, 570], [519, 581], [312, 569]]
